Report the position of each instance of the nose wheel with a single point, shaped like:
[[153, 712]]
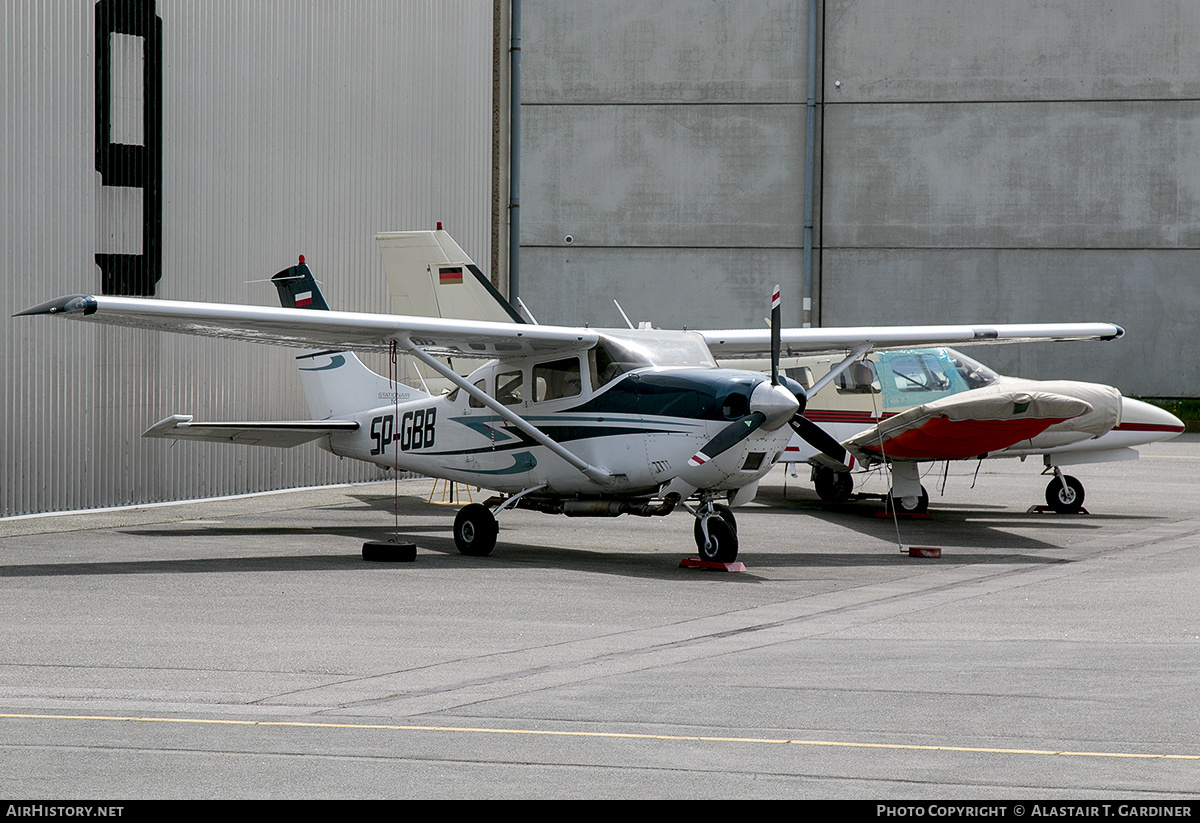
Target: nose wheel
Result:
[[716, 534], [1064, 494]]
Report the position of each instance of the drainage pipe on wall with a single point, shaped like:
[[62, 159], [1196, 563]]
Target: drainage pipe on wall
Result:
[[514, 161], [810, 125]]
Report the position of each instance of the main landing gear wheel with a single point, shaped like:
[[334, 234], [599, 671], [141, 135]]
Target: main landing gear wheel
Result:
[[1065, 495], [722, 543], [475, 530], [918, 505], [833, 487]]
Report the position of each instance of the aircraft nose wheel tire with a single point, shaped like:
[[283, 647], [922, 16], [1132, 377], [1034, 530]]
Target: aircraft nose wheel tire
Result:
[[475, 530], [1065, 496], [726, 514], [918, 506], [722, 543]]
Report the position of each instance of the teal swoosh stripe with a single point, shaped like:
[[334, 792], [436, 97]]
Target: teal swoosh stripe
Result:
[[522, 462], [335, 362]]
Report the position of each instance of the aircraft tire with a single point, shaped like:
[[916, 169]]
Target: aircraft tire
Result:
[[833, 487], [896, 504], [722, 546], [1065, 497], [475, 530], [725, 513]]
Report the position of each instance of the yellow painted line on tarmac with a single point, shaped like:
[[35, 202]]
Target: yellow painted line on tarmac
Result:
[[610, 735]]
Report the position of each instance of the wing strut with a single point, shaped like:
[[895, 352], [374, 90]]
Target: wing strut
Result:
[[597, 473], [856, 353]]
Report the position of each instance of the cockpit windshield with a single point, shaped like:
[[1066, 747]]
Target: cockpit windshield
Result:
[[910, 377], [974, 374], [618, 352]]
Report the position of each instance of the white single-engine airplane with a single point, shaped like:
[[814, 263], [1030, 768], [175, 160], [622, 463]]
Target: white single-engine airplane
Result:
[[577, 421]]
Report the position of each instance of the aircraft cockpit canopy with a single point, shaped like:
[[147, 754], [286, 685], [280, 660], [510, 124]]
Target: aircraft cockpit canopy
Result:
[[910, 377], [618, 352], [974, 374]]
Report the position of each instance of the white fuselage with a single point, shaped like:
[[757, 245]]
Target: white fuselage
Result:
[[627, 427]]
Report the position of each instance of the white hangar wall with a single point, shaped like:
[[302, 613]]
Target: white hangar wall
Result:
[[286, 129], [1006, 161]]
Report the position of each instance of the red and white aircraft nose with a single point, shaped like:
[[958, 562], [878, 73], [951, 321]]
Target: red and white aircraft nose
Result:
[[1145, 423]]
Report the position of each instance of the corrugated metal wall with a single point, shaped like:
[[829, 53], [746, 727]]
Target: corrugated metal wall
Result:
[[287, 128]]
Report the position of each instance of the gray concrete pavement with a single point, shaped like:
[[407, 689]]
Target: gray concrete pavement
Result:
[[242, 648]]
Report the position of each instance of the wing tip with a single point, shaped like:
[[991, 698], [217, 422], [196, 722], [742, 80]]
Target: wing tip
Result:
[[70, 304]]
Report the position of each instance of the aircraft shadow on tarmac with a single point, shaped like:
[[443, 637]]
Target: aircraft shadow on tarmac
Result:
[[975, 527], [982, 532]]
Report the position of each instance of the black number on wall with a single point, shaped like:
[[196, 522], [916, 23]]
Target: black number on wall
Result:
[[121, 164]]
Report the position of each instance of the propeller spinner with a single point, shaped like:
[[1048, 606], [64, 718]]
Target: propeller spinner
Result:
[[771, 405]]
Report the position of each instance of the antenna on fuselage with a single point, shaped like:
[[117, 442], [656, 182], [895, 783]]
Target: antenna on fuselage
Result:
[[524, 310], [623, 314]]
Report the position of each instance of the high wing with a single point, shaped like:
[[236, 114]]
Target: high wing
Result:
[[301, 328], [750, 343], [376, 332]]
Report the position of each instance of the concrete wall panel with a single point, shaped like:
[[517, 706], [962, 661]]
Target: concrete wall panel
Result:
[[672, 288], [663, 175], [694, 51], [1010, 50], [1057, 175], [1153, 295]]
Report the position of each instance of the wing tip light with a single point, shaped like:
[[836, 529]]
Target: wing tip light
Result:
[[71, 304]]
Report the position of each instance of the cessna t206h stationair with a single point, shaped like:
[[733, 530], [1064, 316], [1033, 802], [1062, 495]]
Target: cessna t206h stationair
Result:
[[576, 421]]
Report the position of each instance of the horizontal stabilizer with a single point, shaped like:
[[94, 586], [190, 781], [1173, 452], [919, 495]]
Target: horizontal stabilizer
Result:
[[281, 434]]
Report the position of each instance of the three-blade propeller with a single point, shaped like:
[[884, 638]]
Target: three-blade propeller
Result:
[[783, 400]]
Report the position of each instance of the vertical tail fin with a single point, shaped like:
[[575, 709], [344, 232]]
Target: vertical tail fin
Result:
[[429, 275], [336, 383]]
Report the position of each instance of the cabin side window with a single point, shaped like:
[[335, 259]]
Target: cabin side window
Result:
[[801, 374], [917, 376], [859, 378], [558, 378], [477, 404], [918, 373], [509, 388]]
